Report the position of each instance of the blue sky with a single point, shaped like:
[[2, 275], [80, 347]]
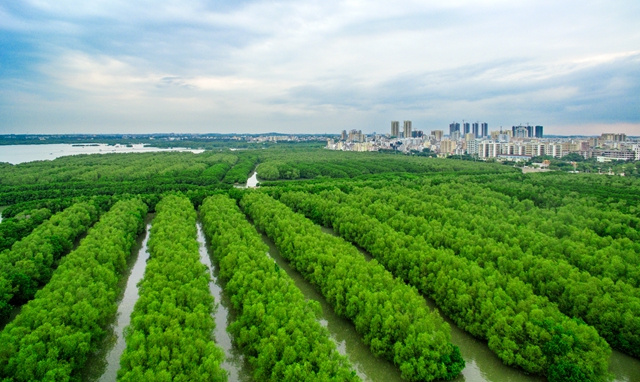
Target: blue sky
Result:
[[317, 66]]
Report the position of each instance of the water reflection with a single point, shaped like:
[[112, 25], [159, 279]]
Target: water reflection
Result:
[[104, 365], [234, 363], [342, 331], [482, 365]]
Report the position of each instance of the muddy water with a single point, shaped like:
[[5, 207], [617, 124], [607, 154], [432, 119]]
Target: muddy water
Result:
[[104, 365], [235, 364], [341, 330], [484, 365]]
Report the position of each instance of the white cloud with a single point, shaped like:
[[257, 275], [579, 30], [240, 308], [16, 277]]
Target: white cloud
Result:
[[287, 64]]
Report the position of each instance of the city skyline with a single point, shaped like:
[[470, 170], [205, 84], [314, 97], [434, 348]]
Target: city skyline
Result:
[[257, 66]]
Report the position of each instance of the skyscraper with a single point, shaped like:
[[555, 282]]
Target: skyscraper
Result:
[[484, 129], [467, 127], [539, 132], [395, 128], [475, 129], [453, 127], [437, 134], [530, 132], [407, 129]]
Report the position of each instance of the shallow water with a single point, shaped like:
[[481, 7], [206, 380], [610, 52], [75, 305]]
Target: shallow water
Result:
[[104, 365], [235, 363], [342, 331], [252, 182], [484, 366]]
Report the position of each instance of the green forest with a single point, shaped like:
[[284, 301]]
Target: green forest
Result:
[[542, 269]]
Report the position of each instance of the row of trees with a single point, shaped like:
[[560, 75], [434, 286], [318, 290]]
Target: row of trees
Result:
[[31, 261], [54, 334], [275, 327], [332, 164], [242, 169], [522, 328], [17, 227], [559, 235], [517, 225], [112, 168], [392, 317], [580, 219], [612, 308], [169, 338]]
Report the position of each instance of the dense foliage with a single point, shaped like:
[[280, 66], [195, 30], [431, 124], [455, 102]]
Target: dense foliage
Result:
[[169, 338], [148, 174], [275, 327], [543, 261], [242, 169], [30, 262], [522, 328], [54, 334], [392, 317], [17, 227], [335, 164]]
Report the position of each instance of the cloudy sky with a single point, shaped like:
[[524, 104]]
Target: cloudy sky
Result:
[[140, 66]]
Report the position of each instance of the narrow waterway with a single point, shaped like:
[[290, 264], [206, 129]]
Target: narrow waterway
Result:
[[104, 365], [483, 365], [342, 331], [252, 182], [235, 363]]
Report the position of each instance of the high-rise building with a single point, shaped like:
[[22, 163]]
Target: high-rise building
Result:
[[475, 129], [453, 127], [539, 132], [344, 135], [356, 136], [484, 129], [467, 127], [520, 131], [407, 129], [472, 146], [417, 134], [395, 128], [530, 132], [437, 134]]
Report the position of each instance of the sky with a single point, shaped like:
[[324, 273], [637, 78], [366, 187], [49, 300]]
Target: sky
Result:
[[141, 66]]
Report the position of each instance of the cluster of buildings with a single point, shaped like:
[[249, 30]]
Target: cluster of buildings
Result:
[[518, 143]]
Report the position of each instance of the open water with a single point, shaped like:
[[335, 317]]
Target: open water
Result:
[[28, 153]]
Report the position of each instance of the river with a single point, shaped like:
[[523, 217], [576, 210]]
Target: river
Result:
[[27, 153], [104, 365]]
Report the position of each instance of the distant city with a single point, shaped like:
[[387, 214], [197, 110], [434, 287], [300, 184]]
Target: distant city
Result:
[[518, 143]]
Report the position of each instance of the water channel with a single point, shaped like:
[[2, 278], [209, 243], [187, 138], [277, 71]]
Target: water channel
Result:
[[342, 331], [104, 365], [235, 363], [484, 366]]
